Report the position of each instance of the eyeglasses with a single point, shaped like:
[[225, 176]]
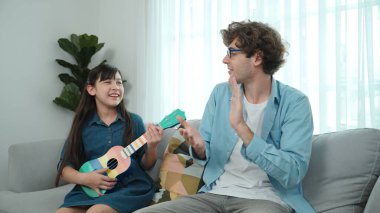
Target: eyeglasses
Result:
[[230, 51]]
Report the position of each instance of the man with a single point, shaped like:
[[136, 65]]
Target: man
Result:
[[255, 134]]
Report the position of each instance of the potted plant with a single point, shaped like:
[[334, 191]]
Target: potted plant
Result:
[[81, 48]]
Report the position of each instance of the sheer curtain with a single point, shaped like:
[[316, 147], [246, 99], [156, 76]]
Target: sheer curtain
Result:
[[334, 55]]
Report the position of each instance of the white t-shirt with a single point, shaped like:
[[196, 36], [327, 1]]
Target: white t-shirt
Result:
[[241, 177]]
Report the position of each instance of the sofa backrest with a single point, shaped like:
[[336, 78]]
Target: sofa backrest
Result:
[[154, 172], [27, 161], [344, 167]]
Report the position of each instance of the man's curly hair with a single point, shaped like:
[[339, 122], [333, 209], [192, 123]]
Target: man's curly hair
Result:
[[256, 37]]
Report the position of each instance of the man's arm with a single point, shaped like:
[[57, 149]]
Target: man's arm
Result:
[[287, 163]]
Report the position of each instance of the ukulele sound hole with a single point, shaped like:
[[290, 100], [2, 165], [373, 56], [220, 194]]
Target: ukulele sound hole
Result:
[[112, 163]]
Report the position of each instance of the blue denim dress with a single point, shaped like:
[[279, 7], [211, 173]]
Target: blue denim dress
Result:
[[135, 188]]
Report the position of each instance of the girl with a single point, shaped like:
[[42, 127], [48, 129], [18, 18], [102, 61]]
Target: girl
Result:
[[101, 121]]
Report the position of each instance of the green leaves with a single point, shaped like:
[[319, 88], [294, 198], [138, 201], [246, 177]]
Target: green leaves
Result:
[[69, 97], [82, 48]]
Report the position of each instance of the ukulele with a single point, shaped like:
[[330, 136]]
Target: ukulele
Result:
[[117, 159]]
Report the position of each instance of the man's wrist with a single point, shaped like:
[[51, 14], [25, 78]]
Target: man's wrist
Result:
[[244, 133]]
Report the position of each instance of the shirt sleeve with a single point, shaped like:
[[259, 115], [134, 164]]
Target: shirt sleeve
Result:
[[62, 156], [206, 125], [288, 163]]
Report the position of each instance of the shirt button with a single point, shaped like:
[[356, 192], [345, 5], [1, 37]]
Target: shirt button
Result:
[[109, 141]]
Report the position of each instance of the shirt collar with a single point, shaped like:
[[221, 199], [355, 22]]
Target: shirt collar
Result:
[[274, 92], [95, 119]]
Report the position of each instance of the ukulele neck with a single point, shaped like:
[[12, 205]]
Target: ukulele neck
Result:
[[135, 145]]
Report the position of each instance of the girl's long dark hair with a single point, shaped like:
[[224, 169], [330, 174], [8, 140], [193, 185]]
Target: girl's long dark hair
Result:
[[74, 151]]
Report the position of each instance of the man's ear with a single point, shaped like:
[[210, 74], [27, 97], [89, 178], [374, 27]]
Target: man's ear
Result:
[[257, 58], [91, 90]]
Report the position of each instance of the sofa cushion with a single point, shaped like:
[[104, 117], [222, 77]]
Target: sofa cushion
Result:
[[344, 167], [179, 172], [44, 201]]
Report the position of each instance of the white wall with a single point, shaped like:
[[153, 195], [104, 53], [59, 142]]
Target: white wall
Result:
[[29, 30], [122, 26]]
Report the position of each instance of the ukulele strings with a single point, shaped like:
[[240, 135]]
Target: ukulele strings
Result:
[[112, 163]]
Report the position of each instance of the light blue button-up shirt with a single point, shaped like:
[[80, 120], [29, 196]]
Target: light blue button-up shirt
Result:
[[283, 150]]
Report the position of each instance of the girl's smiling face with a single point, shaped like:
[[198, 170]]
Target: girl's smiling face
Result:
[[108, 93]]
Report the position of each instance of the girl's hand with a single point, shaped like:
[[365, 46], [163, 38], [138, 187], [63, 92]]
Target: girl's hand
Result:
[[193, 137], [154, 134], [96, 180]]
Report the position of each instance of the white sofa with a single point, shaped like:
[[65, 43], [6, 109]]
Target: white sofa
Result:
[[343, 174]]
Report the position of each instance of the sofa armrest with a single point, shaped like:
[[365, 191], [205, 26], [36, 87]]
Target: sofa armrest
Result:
[[373, 204], [33, 166]]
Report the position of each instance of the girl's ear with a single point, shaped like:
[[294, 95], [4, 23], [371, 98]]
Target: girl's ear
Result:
[[91, 90]]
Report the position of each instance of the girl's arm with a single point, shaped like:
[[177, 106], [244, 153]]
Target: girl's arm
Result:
[[150, 157], [154, 135]]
